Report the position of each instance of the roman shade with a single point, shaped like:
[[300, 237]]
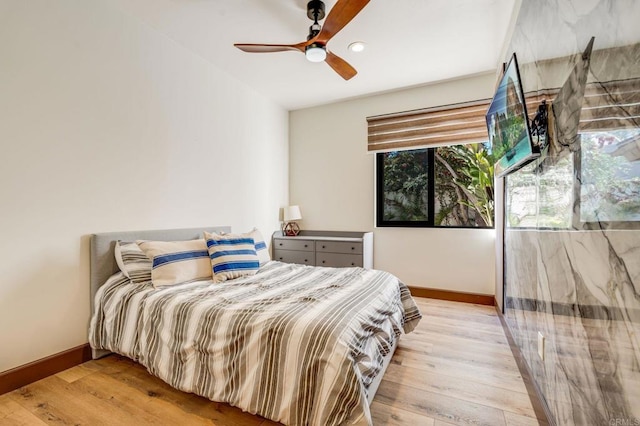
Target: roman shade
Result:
[[437, 126]]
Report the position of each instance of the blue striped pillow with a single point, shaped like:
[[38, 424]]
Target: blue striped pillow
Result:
[[231, 256], [176, 262], [261, 246]]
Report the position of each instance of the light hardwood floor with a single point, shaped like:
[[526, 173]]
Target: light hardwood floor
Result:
[[456, 368]]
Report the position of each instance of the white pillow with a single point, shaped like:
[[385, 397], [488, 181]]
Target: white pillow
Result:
[[261, 246], [231, 256], [176, 262], [132, 261]]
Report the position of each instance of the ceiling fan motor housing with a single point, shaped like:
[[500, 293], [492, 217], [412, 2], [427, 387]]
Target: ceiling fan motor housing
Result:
[[315, 10]]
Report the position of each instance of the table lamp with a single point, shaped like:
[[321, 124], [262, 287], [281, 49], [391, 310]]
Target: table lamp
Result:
[[289, 216]]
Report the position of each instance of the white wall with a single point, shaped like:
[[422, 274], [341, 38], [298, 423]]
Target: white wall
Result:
[[106, 125], [332, 179]]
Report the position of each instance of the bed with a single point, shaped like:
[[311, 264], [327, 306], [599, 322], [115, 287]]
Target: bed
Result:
[[296, 344]]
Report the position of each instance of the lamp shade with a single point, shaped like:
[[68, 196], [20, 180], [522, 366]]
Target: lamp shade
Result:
[[291, 213]]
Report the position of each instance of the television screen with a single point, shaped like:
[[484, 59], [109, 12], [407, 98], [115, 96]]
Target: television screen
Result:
[[508, 124]]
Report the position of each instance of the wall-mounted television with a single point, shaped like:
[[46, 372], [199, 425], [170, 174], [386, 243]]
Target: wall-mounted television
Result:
[[508, 124]]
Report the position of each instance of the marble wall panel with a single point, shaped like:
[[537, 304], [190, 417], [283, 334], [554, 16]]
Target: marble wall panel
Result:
[[578, 283], [585, 303]]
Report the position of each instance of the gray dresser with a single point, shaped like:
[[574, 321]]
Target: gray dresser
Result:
[[325, 248]]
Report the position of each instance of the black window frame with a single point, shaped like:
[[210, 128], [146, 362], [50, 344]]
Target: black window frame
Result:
[[431, 185]]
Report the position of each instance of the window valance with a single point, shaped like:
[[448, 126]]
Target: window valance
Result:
[[438, 126]]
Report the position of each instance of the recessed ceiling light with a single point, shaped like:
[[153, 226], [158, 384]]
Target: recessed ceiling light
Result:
[[356, 46]]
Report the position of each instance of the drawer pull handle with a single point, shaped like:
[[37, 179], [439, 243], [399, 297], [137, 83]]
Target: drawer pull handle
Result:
[[280, 244], [306, 245], [353, 264], [353, 248], [323, 261], [280, 259], [323, 246], [305, 261]]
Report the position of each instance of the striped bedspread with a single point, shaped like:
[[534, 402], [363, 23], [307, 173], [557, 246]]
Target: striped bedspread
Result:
[[295, 344]]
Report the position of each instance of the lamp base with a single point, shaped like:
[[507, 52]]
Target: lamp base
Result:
[[290, 229]]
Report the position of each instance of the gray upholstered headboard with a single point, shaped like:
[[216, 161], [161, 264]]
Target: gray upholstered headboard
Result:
[[103, 263]]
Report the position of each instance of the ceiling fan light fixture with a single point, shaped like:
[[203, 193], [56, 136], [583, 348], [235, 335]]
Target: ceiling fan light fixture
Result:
[[315, 53]]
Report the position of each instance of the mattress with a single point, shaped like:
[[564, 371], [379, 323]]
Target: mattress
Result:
[[295, 344]]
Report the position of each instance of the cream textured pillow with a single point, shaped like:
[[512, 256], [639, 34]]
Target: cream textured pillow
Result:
[[231, 256], [132, 261], [176, 262]]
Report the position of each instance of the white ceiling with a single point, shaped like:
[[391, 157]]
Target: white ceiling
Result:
[[408, 42]]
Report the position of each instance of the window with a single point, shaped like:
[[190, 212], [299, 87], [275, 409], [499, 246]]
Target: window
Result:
[[420, 182], [448, 186], [403, 188]]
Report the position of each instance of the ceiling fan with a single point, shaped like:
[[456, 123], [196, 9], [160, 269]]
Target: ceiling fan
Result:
[[315, 47]]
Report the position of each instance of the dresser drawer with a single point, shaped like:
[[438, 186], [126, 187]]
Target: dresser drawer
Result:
[[337, 260], [339, 247], [291, 244], [290, 256]]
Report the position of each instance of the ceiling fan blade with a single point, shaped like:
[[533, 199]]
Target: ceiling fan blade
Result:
[[269, 48], [340, 66], [339, 16]]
